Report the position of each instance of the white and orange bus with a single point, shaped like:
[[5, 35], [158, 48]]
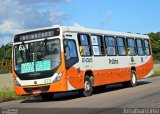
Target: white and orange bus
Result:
[[61, 58]]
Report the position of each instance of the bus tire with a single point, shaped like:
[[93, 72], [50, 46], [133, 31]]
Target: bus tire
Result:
[[133, 80], [88, 88], [47, 96]]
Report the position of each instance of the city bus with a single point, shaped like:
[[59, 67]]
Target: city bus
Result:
[[66, 58]]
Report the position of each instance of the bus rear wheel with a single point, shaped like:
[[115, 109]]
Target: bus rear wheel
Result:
[[133, 80], [88, 89], [47, 96]]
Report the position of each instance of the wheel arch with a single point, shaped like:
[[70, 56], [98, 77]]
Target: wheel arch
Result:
[[133, 68], [90, 74]]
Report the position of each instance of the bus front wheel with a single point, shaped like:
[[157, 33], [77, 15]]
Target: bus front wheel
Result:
[[88, 89]]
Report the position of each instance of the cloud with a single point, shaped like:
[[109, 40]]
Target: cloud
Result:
[[57, 17], [19, 15], [78, 25], [107, 16], [9, 27]]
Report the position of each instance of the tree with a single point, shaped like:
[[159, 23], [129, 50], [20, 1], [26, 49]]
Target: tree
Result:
[[155, 42]]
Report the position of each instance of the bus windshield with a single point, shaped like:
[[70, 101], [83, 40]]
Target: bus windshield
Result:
[[37, 56]]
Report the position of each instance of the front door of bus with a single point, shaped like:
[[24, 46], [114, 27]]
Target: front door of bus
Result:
[[71, 59]]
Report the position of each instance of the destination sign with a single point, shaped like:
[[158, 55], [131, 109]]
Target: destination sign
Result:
[[37, 35]]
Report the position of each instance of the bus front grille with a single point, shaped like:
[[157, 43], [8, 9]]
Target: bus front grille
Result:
[[42, 89]]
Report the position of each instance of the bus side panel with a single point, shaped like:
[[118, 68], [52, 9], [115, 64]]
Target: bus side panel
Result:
[[109, 76], [144, 69], [58, 86], [101, 77], [75, 78]]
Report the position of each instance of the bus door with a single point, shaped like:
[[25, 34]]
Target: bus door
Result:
[[71, 59]]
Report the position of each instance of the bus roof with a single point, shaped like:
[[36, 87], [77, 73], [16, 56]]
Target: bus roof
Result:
[[90, 31]]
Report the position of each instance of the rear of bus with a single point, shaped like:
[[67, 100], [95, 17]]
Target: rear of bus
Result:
[[38, 63]]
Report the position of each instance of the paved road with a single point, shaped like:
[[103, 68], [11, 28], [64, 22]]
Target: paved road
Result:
[[145, 95]]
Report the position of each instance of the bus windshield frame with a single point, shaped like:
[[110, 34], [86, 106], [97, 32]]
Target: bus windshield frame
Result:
[[37, 59]]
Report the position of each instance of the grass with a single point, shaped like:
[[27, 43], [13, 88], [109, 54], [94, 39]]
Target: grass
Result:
[[7, 94], [156, 72]]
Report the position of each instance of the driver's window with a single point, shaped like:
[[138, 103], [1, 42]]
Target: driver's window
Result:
[[70, 52]]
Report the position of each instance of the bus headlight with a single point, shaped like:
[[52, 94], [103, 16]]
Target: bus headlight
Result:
[[16, 82], [57, 77]]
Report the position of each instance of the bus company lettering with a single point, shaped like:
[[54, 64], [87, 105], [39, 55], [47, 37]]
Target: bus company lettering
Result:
[[87, 60], [113, 61]]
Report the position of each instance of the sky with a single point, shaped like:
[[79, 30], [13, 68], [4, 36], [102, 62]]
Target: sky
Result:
[[136, 16]]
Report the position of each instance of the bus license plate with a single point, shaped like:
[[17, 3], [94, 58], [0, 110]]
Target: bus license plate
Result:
[[37, 91]]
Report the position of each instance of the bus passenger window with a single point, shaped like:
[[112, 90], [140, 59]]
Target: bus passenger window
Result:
[[140, 47], [131, 50], [84, 45], [97, 45], [121, 46], [147, 49], [110, 45]]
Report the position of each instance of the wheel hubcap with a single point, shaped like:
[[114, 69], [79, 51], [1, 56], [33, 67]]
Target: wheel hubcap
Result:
[[133, 78], [87, 86]]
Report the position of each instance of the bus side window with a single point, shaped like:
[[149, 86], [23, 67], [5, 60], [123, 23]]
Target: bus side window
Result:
[[70, 50], [131, 50], [110, 45], [147, 48], [84, 45], [121, 46], [140, 49], [97, 45]]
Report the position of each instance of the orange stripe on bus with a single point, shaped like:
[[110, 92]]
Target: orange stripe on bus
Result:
[[108, 76]]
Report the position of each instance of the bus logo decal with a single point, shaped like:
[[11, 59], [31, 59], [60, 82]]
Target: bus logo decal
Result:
[[142, 59], [87, 60], [132, 59], [113, 61]]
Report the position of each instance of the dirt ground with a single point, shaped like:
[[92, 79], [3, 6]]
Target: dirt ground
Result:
[[6, 81]]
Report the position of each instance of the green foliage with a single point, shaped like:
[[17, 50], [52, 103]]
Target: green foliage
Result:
[[156, 71], [155, 41], [7, 94], [5, 59]]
